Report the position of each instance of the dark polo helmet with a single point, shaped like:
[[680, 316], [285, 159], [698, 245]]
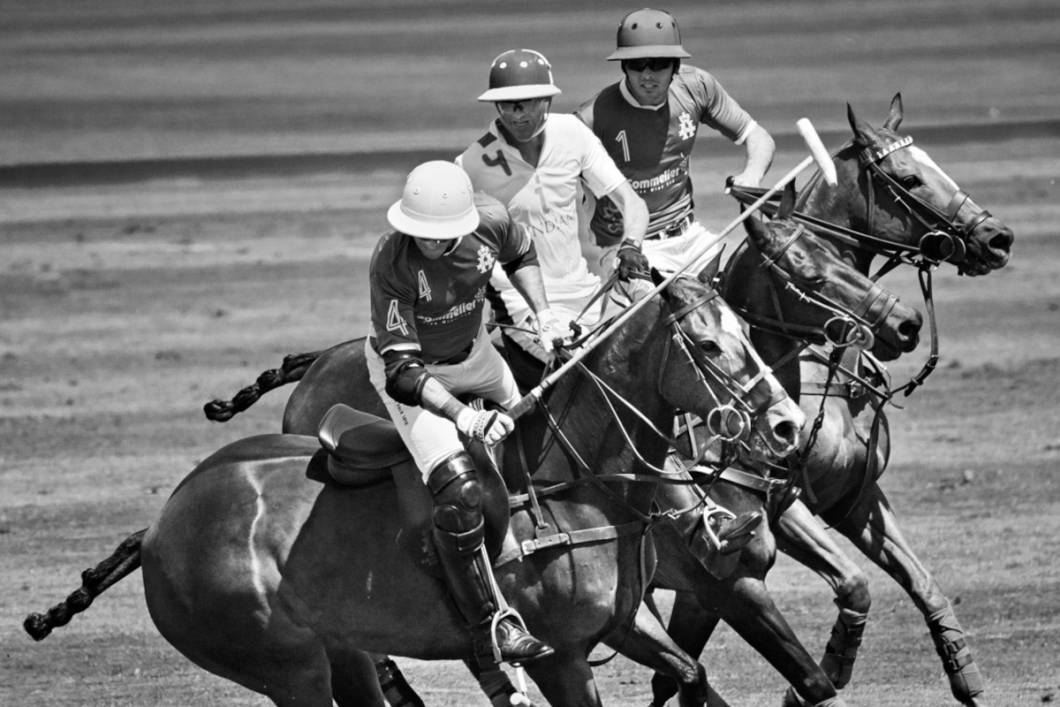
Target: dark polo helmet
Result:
[[518, 75], [646, 34]]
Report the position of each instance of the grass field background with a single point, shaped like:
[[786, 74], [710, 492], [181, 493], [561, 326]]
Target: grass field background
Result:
[[189, 191]]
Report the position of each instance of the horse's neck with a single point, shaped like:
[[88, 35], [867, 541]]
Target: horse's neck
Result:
[[842, 205], [746, 286], [587, 435]]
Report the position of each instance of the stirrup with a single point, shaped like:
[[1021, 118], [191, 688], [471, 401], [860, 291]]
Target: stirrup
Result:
[[739, 533], [506, 613]]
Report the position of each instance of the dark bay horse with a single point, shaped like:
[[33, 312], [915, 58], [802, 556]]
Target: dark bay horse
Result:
[[267, 577], [891, 200], [834, 301], [741, 598]]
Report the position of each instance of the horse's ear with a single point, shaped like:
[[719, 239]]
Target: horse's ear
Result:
[[656, 277], [757, 232], [894, 118], [864, 135], [710, 273], [787, 201]]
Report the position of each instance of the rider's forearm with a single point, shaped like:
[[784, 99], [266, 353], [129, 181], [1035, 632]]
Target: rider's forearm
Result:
[[759, 148], [528, 282], [634, 213], [435, 398]]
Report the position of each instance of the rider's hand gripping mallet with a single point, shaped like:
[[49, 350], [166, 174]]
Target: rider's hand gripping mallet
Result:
[[818, 155]]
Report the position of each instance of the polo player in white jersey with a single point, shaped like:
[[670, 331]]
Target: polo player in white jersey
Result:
[[534, 162]]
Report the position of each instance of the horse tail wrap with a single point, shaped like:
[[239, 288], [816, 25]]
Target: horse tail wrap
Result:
[[293, 369], [94, 581]]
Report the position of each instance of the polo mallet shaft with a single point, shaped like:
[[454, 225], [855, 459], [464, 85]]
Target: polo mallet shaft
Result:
[[817, 149], [818, 155]]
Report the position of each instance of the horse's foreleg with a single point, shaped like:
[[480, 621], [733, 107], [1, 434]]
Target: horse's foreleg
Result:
[[690, 628], [360, 679], [800, 535], [647, 642], [750, 610], [496, 685], [873, 528], [565, 678]]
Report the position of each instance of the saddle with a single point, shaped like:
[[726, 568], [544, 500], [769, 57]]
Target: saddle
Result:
[[360, 449]]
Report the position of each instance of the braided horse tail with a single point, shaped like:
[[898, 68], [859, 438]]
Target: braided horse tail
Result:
[[94, 581], [293, 368]]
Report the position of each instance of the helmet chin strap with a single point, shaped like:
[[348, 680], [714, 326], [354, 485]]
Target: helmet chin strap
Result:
[[540, 129]]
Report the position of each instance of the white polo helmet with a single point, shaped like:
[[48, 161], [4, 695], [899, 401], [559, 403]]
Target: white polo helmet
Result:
[[647, 34], [438, 202], [519, 74]]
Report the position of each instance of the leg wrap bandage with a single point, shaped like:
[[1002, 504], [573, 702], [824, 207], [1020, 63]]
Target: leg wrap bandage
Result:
[[842, 648], [966, 681]]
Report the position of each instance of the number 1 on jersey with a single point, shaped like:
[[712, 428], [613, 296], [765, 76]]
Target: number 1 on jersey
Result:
[[621, 138]]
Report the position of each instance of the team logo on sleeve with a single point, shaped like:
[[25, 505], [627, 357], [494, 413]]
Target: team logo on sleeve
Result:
[[687, 128], [486, 259], [425, 287], [394, 320]]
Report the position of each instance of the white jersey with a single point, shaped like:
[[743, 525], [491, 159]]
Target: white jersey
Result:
[[544, 200]]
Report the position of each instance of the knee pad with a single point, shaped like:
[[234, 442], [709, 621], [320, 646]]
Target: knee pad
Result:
[[457, 497]]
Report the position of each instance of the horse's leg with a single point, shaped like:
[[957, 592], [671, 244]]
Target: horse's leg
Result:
[[360, 679], [689, 629], [647, 642], [495, 684], [565, 678], [802, 537], [873, 527], [750, 610], [290, 678]]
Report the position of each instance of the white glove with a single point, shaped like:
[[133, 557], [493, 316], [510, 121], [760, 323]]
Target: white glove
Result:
[[549, 328], [486, 426]]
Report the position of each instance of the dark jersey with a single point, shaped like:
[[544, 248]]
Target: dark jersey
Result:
[[435, 306], [653, 146]]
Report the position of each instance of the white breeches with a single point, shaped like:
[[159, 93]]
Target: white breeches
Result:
[[430, 438]]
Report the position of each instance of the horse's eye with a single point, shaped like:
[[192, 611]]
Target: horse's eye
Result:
[[708, 347], [911, 182]]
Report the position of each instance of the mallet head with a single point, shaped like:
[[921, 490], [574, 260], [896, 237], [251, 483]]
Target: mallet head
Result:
[[817, 149]]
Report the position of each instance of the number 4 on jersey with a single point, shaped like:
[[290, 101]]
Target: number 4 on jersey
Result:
[[394, 320]]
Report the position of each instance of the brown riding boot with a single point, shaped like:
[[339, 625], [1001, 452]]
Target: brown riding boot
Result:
[[458, 536], [470, 582]]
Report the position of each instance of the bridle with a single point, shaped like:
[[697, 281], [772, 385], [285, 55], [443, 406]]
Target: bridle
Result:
[[732, 426], [847, 327], [946, 238]]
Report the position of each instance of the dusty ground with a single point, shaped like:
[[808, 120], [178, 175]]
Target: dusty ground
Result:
[[127, 305]]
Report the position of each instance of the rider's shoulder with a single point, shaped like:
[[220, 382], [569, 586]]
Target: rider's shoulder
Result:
[[490, 209]]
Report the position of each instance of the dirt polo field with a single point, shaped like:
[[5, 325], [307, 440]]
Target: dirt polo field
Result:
[[187, 195]]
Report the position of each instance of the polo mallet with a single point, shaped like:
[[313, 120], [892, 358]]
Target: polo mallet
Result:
[[818, 155]]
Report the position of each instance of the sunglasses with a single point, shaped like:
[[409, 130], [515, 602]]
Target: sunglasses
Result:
[[655, 64]]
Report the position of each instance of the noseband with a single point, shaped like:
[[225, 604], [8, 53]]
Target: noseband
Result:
[[847, 327], [729, 422]]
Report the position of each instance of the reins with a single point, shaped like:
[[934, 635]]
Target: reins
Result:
[[730, 428]]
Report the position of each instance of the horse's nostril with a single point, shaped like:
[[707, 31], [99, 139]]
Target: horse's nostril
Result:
[[787, 432], [1002, 241]]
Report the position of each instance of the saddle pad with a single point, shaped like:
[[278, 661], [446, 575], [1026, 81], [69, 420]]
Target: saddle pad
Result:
[[361, 440]]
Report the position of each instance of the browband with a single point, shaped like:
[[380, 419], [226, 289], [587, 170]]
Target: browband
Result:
[[875, 154]]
